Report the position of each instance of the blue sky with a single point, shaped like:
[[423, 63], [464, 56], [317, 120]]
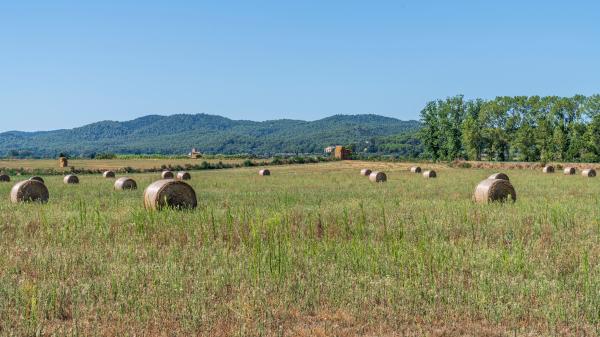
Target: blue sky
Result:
[[68, 63]]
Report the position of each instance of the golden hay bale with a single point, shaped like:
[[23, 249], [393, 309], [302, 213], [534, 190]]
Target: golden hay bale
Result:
[[429, 174], [590, 173], [570, 171], [169, 193], [491, 190], [183, 176], [71, 179], [125, 183], [108, 174], [264, 172], [548, 169], [365, 172], [377, 177], [4, 178], [40, 179], [499, 176], [29, 190], [415, 169], [63, 162], [167, 175]]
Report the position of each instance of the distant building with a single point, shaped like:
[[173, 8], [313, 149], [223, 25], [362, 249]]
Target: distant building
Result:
[[329, 149], [194, 154], [342, 153]]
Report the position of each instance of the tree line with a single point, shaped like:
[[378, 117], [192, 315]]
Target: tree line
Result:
[[521, 128]]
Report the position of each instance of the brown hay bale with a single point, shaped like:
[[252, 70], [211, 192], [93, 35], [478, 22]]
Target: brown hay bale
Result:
[[499, 176], [365, 172], [590, 173], [548, 169], [71, 179], [169, 193], [264, 172], [108, 174], [429, 174], [40, 179], [491, 190], [29, 190], [167, 175], [415, 169], [63, 162], [4, 178], [125, 183], [377, 177], [570, 171], [183, 176]]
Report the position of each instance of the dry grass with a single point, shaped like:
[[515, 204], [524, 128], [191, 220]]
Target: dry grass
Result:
[[315, 250], [108, 164]]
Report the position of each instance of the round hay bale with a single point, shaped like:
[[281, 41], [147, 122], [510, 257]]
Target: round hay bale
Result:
[[570, 171], [29, 190], [377, 177], [169, 193], [183, 176], [415, 169], [4, 178], [429, 174], [365, 172], [71, 179], [125, 183], [264, 172], [548, 169], [499, 176], [491, 190], [167, 175], [40, 179], [590, 173], [108, 174]]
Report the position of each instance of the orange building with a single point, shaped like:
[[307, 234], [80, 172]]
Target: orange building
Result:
[[342, 153]]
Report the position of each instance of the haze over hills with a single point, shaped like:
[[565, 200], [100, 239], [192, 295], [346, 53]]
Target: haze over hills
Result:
[[177, 134]]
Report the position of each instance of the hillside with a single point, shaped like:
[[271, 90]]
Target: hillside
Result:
[[177, 134]]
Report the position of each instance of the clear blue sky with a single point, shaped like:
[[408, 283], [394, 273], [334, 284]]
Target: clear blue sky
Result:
[[68, 63]]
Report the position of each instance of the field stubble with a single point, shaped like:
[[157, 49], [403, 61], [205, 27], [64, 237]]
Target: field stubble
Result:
[[313, 250]]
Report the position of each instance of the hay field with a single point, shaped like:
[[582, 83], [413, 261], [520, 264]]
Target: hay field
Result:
[[312, 250], [107, 164]]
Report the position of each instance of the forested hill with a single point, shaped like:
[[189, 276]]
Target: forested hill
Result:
[[177, 134]]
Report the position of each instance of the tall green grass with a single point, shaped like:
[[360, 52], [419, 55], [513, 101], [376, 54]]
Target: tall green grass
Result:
[[312, 249]]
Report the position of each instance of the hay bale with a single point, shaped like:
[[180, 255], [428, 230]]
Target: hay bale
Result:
[[169, 193], [365, 172], [548, 169], [415, 169], [4, 178], [377, 177], [29, 190], [63, 162], [71, 179], [125, 183], [491, 190], [429, 174], [167, 175], [590, 173], [108, 174], [499, 176], [264, 172], [183, 176], [40, 179], [569, 171]]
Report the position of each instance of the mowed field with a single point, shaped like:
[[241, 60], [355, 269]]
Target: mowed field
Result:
[[312, 250], [108, 164]]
